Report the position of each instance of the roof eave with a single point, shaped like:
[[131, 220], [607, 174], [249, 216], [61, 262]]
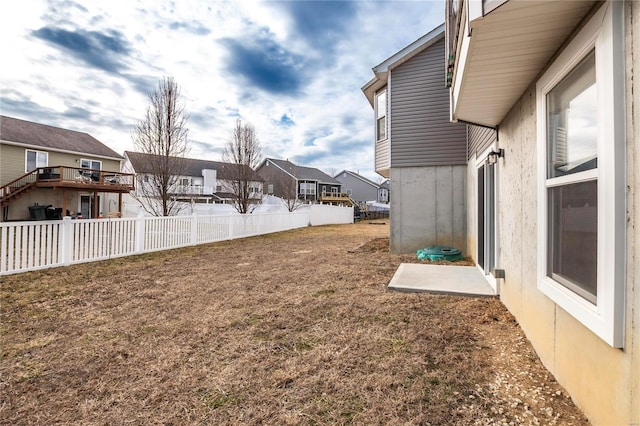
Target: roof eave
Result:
[[485, 87], [381, 71]]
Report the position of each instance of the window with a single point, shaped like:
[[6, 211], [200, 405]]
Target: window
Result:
[[35, 159], [91, 164], [307, 188], [381, 115], [581, 199], [572, 190]]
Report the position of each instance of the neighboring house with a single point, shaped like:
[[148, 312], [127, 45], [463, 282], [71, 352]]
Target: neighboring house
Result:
[[70, 171], [553, 178], [203, 181], [383, 192], [359, 188], [418, 148], [286, 180]]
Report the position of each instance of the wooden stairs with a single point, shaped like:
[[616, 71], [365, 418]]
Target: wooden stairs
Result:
[[15, 189]]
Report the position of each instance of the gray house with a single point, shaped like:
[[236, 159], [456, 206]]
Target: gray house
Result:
[[359, 188], [417, 147], [289, 181]]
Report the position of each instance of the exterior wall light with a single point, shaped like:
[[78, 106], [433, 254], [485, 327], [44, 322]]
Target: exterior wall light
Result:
[[493, 156]]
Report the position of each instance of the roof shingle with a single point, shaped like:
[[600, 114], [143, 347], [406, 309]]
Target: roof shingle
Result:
[[225, 171], [304, 173], [52, 138]]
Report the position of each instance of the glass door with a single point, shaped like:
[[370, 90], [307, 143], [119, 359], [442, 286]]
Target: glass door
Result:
[[86, 206], [487, 217]]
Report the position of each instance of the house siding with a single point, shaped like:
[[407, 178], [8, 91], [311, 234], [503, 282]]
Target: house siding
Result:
[[383, 157], [273, 175], [360, 191], [480, 138], [12, 163], [420, 131]]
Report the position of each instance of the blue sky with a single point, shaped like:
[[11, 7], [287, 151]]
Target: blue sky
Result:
[[293, 69]]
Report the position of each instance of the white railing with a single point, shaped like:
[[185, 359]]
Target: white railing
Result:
[[194, 190], [28, 246]]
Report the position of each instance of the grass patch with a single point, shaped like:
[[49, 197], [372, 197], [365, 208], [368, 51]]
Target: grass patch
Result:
[[257, 331]]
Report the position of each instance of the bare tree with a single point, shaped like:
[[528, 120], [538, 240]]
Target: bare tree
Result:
[[162, 133], [243, 153], [287, 188]]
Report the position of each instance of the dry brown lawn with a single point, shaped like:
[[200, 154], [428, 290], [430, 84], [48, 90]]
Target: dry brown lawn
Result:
[[290, 328]]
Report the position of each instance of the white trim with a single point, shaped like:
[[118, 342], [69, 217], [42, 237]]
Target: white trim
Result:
[[481, 160], [604, 32], [459, 71], [585, 176], [377, 95], [63, 151]]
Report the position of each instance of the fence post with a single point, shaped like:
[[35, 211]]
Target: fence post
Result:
[[194, 229], [66, 241], [139, 234]]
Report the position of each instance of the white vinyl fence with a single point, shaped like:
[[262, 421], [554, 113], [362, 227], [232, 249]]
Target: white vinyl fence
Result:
[[27, 246]]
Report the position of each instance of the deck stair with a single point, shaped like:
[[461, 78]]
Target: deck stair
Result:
[[15, 189]]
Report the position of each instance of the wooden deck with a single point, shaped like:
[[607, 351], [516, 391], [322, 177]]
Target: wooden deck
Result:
[[336, 198], [67, 178]]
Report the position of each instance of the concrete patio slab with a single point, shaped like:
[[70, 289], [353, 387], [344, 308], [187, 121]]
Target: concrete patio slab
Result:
[[441, 279]]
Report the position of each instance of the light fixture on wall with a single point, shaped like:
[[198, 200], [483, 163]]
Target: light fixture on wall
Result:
[[493, 156]]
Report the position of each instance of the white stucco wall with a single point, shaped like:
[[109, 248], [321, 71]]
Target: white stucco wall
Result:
[[603, 381]]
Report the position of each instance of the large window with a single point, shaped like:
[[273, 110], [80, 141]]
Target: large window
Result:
[[572, 185], [581, 201], [381, 115], [35, 159]]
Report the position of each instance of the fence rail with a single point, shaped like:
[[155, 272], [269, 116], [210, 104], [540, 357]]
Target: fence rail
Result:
[[28, 246]]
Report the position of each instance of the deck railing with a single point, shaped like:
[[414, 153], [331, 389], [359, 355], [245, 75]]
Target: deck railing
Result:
[[77, 175], [28, 246]]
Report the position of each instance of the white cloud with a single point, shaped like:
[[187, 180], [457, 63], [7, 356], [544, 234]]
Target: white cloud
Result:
[[54, 85]]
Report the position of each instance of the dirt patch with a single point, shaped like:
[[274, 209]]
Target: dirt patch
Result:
[[289, 328]]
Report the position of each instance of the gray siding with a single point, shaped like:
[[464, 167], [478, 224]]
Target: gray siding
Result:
[[360, 190], [479, 139], [421, 133]]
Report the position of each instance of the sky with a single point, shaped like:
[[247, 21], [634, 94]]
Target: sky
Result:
[[292, 69]]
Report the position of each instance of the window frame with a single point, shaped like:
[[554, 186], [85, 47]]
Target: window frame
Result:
[[90, 161], [604, 33], [378, 118], [26, 159]]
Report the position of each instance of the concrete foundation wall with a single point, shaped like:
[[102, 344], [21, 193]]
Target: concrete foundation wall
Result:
[[603, 381], [428, 207]]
